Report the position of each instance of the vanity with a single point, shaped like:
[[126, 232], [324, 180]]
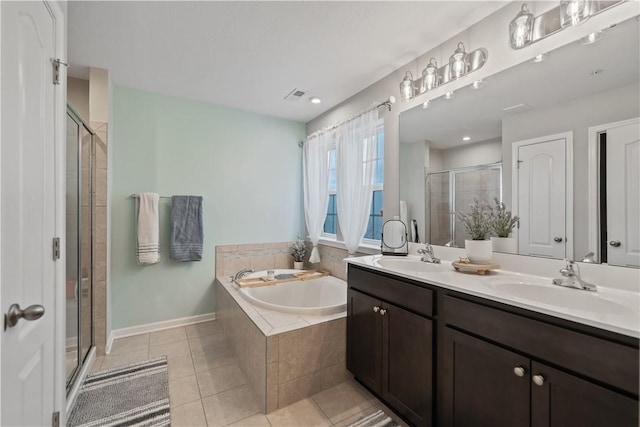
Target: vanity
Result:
[[444, 348]]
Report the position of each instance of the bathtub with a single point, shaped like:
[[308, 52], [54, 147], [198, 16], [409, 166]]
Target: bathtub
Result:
[[325, 295]]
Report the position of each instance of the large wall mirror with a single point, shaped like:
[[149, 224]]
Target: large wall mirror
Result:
[[555, 139]]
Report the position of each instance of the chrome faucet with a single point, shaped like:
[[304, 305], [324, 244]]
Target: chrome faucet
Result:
[[240, 274], [572, 279], [427, 254]]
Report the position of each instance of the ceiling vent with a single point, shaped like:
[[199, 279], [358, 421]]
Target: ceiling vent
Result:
[[295, 95], [518, 108]]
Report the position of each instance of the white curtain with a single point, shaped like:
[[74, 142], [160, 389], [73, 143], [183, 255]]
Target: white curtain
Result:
[[355, 151], [315, 163]]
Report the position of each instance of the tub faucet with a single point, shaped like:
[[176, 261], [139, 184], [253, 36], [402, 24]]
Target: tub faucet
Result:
[[240, 274], [572, 279], [427, 254]]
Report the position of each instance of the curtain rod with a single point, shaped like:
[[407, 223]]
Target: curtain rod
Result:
[[387, 103]]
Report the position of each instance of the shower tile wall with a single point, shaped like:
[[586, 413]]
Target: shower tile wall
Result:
[[439, 209], [100, 237]]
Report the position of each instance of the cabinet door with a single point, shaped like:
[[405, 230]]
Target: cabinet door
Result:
[[407, 348], [480, 384], [560, 399], [364, 332]]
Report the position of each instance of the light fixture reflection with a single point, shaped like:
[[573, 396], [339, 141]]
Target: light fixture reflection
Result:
[[407, 89], [573, 12], [591, 38], [448, 95], [540, 58], [426, 104], [458, 62], [520, 28], [478, 84], [430, 78]]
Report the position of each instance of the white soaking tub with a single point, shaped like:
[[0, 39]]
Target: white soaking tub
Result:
[[325, 295]]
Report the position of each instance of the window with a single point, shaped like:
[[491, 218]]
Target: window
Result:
[[374, 228]]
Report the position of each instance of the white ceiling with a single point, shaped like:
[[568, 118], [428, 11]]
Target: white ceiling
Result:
[[250, 54], [567, 74]]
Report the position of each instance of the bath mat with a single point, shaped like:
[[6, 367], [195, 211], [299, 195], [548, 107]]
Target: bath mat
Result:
[[377, 419], [132, 395]]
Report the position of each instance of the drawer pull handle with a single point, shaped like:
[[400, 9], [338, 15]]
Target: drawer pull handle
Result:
[[376, 309], [538, 380], [519, 371], [383, 312]]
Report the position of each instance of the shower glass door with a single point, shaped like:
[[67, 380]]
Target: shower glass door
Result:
[[79, 244]]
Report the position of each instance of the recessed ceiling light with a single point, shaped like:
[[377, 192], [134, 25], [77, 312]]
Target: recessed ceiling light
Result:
[[478, 84], [541, 57], [315, 100], [426, 104], [466, 138], [448, 95]]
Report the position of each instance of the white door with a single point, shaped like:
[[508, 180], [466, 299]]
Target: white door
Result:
[[541, 198], [623, 195], [27, 216]]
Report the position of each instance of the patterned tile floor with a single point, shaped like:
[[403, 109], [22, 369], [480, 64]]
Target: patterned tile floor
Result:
[[207, 387]]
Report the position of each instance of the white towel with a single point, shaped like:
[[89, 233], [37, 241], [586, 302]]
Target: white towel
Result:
[[404, 215], [148, 232]]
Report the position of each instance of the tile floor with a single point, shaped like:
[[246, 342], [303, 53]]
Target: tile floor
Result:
[[207, 387]]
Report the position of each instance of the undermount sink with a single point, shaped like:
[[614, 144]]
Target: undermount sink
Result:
[[409, 265], [574, 299]]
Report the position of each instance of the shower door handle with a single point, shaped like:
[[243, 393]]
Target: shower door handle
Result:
[[15, 313]]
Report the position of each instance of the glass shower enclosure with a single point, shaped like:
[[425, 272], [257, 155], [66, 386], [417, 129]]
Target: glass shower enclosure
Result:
[[79, 243]]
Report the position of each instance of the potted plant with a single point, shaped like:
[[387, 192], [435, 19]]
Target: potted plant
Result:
[[477, 222], [503, 224], [298, 251]]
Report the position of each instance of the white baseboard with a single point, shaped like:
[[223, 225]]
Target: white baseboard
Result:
[[157, 326]]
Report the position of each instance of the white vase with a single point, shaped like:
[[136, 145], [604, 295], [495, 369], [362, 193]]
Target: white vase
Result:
[[479, 251], [298, 265], [507, 245]]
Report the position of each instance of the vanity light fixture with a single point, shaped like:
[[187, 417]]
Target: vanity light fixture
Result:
[[426, 104], [407, 89], [526, 28], [521, 28], [573, 12], [448, 95], [315, 100], [458, 62], [430, 77]]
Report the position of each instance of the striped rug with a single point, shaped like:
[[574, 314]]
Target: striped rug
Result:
[[133, 395], [377, 419]]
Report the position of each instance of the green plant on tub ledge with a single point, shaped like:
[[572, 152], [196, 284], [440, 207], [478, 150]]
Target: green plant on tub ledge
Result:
[[478, 222], [298, 251]]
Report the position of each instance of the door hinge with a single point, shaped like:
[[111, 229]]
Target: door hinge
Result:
[[55, 419], [56, 248], [56, 70]]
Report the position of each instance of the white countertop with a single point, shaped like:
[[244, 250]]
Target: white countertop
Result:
[[611, 309]]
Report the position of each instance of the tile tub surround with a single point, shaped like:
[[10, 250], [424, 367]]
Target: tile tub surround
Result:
[[285, 357]]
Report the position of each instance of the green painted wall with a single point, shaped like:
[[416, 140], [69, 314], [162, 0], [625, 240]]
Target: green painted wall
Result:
[[248, 168]]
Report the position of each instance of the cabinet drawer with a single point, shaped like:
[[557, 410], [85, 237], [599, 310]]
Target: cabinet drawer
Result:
[[597, 358], [401, 293]]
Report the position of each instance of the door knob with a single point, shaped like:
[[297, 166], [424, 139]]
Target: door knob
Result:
[[519, 371], [15, 313], [383, 312], [615, 243], [538, 380], [376, 309], [558, 239]]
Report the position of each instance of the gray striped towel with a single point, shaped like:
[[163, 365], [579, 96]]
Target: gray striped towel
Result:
[[186, 228], [148, 229]]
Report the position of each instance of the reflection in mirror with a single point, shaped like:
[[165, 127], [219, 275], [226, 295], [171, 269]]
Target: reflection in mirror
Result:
[[526, 117]]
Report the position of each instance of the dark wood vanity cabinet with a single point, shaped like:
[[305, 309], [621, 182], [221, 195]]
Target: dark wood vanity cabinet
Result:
[[444, 358], [390, 348]]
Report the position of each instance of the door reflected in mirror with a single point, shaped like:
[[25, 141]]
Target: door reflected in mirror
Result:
[[545, 123]]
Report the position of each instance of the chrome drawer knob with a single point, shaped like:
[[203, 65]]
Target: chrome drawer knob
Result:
[[519, 371], [538, 380], [383, 312], [376, 309]]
